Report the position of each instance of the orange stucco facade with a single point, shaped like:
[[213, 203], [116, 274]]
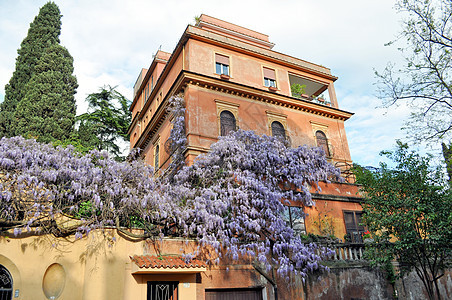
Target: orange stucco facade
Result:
[[190, 71], [218, 66]]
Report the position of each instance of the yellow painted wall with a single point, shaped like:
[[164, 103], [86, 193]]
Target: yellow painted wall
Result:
[[97, 267]]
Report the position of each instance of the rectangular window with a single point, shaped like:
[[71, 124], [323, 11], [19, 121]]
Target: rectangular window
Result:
[[146, 92], [294, 217], [353, 226], [156, 156], [221, 64], [269, 77]]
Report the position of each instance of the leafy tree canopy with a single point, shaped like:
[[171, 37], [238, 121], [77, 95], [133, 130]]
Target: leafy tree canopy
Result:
[[107, 121], [408, 210], [229, 198]]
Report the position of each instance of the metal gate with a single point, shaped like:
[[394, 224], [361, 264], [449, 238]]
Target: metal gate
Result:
[[6, 284], [162, 290]]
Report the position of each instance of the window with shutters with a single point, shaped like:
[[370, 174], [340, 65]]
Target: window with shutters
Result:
[[353, 226], [322, 142], [269, 77], [227, 122], [162, 290], [6, 284], [221, 64], [278, 130]]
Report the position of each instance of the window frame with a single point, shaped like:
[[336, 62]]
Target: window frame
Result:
[[322, 142], [229, 106], [323, 128], [291, 220], [222, 64], [355, 234], [233, 128], [281, 118], [274, 131], [269, 76], [156, 156]]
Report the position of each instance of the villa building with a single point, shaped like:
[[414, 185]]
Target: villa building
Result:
[[231, 78]]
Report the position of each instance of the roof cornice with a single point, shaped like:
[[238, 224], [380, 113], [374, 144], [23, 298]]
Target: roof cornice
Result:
[[266, 54], [187, 78]]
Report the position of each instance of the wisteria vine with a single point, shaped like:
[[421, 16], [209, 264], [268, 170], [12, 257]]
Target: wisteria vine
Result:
[[231, 200]]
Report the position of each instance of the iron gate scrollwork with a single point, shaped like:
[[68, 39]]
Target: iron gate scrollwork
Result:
[[162, 290], [6, 284]]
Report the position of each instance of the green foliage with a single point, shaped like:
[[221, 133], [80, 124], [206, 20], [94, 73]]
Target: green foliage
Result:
[[39, 98], [408, 210], [297, 90], [47, 110], [106, 122], [447, 155]]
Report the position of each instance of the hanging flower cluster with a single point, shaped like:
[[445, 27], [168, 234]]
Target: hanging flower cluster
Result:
[[231, 200]]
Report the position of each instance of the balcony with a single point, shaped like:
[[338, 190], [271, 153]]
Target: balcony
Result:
[[309, 90]]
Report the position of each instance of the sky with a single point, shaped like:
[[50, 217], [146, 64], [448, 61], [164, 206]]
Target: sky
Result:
[[111, 40]]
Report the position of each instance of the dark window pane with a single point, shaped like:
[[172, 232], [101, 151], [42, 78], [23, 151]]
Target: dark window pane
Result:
[[322, 142], [278, 130], [156, 157], [227, 122], [353, 228], [294, 217]]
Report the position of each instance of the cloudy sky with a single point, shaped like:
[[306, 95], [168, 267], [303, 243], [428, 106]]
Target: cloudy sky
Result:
[[111, 40]]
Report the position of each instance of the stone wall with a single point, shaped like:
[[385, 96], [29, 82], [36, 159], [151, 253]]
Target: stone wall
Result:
[[357, 280]]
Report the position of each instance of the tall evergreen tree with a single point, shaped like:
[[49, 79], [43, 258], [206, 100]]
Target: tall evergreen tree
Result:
[[38, 48], [47, 110]]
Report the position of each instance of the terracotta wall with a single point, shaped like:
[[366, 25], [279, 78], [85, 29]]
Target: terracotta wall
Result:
[[203, 122]]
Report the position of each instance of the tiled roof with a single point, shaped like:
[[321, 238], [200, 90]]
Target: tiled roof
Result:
[[165, 262]]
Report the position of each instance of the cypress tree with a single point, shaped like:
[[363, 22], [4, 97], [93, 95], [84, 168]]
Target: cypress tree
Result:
[[35, 55], [47, 110]]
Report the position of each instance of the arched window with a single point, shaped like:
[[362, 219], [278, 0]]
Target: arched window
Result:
[[156, 157], [6, 284], [322, 142], [227, 122], [278, 130]]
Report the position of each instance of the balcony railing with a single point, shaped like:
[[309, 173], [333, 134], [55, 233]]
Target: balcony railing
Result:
[[348, 252], [318, 100]]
